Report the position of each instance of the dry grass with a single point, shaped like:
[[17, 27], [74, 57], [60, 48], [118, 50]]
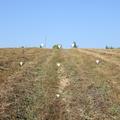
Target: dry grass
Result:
[[87, 91], [112, 55], [92, 95]]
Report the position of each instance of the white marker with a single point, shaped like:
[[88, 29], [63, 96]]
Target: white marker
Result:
[[59, 46], [42, 45], [58, 64], [97, 61], [57, 95], [73, 45], [21, 63]]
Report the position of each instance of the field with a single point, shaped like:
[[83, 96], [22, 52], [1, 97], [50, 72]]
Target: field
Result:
[[79, 89]]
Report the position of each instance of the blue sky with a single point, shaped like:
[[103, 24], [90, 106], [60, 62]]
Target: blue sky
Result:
[[91, 23]]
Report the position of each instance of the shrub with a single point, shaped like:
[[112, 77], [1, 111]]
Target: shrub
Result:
[[109, 47], [57, 46], [106, 47], [41, 46], [74, 45]]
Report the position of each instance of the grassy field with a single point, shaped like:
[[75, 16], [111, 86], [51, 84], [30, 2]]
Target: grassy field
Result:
[[79, 89]]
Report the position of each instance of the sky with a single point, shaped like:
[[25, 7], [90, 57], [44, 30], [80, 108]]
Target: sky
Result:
[[91, 23]]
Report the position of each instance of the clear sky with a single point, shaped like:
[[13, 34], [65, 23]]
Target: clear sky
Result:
[[91, 23]]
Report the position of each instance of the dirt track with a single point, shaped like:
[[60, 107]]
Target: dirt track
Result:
[[77, 90]]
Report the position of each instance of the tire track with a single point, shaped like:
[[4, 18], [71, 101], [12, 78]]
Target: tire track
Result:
[[59, 107], [56, 106], [64, 81]]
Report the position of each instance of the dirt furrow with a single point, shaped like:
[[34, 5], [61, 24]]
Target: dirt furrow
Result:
[[64, 82]]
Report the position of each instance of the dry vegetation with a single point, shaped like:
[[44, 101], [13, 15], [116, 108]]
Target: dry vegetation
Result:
[[87, 91]]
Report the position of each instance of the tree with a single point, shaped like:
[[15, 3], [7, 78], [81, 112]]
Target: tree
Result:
[[74, 45], [109, 47], [106, 47]]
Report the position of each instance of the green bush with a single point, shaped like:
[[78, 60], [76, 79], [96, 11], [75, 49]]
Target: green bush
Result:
[[41, 46], [109, 47], [57, 46], [74, 45]]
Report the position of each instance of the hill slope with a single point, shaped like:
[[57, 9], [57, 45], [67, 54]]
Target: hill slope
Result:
[[79, 89]]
